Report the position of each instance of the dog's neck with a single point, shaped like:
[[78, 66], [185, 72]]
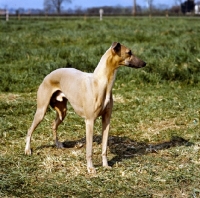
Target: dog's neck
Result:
[[104, 75], [107, 68]]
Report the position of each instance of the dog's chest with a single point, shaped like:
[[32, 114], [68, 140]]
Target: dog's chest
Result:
[[106, 102], [100, 104]]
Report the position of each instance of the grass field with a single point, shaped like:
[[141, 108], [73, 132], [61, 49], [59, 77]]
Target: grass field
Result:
[[154, 142]]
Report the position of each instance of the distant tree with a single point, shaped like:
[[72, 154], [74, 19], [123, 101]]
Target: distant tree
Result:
[[187, 6], [178, 2], [54, 4], [134, 8], [150, 5], [175, 9]]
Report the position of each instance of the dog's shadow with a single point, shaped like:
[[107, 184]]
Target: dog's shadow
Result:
[[124, 147]]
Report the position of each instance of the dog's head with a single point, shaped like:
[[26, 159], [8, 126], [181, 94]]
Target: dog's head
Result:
[[126, 57]]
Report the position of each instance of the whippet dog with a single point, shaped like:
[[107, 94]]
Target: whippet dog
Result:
[[90, 95]]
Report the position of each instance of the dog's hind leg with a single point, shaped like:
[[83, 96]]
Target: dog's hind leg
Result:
[[39, 115], [59, 103], [37, 119], [43, 98]]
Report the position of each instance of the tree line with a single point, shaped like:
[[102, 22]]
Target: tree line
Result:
[[187, 6], [59, 7]]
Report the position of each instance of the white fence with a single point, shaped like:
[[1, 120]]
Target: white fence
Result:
[[197, 9], [5, 13]]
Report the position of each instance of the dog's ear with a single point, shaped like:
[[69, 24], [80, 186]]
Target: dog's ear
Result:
[[116, 47]]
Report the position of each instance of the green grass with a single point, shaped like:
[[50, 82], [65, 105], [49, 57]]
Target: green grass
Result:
[[154, 142]]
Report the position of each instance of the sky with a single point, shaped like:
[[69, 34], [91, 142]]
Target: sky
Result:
[[78, 3]]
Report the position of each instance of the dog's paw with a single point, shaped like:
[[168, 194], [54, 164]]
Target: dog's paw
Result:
[[91, 170], [59, 145], [27, 151], [107, 167], [28, 147]]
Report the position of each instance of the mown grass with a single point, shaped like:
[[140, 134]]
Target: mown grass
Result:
[[154, 143]]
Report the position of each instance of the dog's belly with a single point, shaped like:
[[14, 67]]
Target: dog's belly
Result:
[[88, 110], [78, 109]]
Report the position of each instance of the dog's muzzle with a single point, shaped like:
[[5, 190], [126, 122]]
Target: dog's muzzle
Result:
[[138, 65]]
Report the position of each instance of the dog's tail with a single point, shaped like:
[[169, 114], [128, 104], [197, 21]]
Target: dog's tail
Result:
[[58, 99], [60, 96]]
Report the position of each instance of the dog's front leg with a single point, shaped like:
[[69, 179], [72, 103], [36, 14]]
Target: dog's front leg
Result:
[[89, 141], [105, 130]]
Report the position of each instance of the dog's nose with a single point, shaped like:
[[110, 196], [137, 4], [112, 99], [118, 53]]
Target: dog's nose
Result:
[[143, 64]]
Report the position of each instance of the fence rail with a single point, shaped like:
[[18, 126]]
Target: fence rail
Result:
[[5, 15]]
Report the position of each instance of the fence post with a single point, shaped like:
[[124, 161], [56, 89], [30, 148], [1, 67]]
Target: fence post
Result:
[[101, 14], [7, 15]]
